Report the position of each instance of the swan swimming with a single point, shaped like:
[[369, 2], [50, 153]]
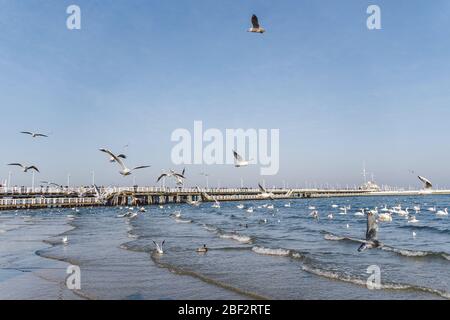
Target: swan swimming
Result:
[[385, 217], [442, 213]]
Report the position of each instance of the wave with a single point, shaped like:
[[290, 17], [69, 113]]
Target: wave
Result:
[[358, 281], [226, 235], [210, 228], [333, 237], [271, 252], [183, 271], [180, 220], [237, 237], [426, 228], [400, 251], [416, 253]]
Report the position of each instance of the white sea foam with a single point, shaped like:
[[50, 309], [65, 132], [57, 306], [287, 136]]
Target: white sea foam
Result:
[[179, 220], [387, 286], [210, 228], [271, 252], [237, 237], [332, 237]]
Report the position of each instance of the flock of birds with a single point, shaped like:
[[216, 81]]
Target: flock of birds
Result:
[[384, 214], [376, 215], [125, 171], [373, 216]]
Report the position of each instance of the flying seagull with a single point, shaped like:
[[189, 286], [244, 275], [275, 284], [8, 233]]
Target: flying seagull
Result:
[[180, 180], [34, 134], [111, 159], [255, 26], [239, 161], [51, 184], [24, 167], [427, 183], [172, 173], [264, 193], [371, 233], [125, 171]]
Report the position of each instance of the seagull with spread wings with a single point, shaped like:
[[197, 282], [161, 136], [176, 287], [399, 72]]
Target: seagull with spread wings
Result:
[[174, 174], [427, 183], [52, 184], [34, 134], [256, 28], [24, 167], [125, 171], [371, 233], [239, 161], [159, 248], [264, 193]]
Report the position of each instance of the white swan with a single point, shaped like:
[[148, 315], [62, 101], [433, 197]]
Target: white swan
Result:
[[413, 220], [442, 213], [385, 217]]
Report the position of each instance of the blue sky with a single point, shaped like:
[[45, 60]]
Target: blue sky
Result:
[[339, 93]]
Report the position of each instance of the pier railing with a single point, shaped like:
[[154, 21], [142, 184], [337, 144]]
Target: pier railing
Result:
[[45, 202]]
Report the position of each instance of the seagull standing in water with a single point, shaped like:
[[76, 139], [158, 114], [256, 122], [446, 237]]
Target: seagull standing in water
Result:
[[24, 167], [159, 249], [371, 233], [34, 134], [256, 28], [125, 171]]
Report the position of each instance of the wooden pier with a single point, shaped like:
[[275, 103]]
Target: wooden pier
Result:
[[38, 198]]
